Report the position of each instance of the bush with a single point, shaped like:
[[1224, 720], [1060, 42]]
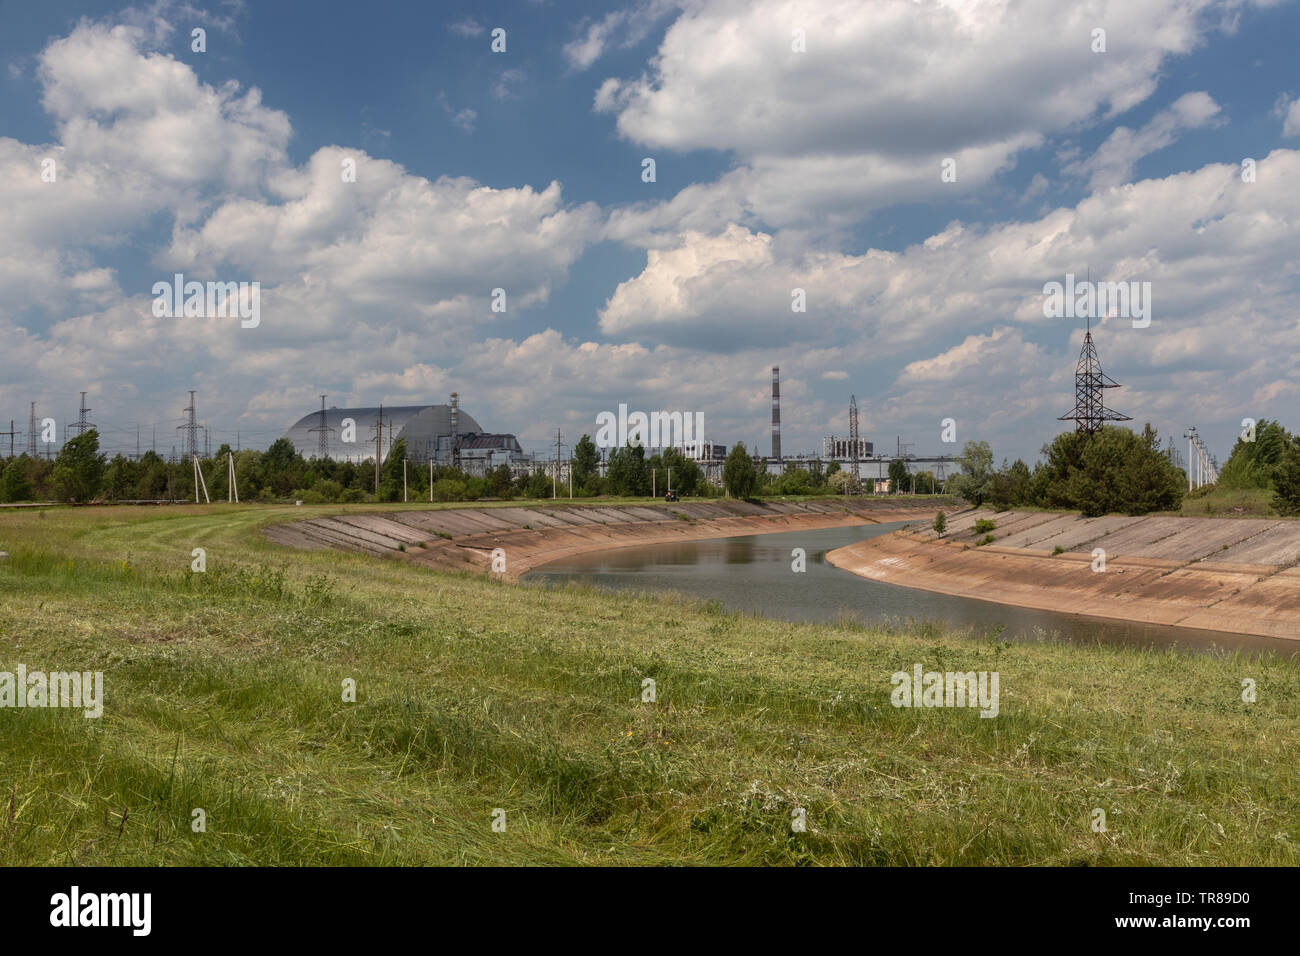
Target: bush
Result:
[[1113, 470], [984, 526], [328, 490], [445, 489]]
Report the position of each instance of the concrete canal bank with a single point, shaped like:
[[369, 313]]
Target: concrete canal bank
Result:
[[1238, 575], [464, 538]]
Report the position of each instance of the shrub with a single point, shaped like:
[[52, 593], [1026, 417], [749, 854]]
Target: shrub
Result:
[[984, 526]]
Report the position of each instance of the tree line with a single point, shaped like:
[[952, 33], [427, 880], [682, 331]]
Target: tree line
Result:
[[1113, 470]]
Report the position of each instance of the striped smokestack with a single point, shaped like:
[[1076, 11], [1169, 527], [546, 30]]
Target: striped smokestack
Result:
[[776, 412]]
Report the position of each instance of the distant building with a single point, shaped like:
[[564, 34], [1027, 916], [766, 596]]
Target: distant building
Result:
[[349, 435], [704, 450], [841, 449]]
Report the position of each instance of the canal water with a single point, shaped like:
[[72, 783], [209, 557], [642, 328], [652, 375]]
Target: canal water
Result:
[[753, 574]]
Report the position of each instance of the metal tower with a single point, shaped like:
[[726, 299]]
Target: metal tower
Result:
[[1090, 411], [853, 440], [776, 414], [322, 432], [81, 424], [31, 433], [191, 429]]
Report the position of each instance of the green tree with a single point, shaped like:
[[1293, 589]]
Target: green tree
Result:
[[538, 485], [14, 483], [739, 476], [79, 468], [390, 476], [974, 482], [900, 481], [586, 464], [940, 524], [447, 489], [282, 469], [1286, 480], [686, 474], [1255, 464], [499, 482], [1112, 470], [628, 472]]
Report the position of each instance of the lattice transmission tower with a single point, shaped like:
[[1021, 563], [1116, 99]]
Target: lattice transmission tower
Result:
[[81, 424], [322, 432], [191, 429], [1090, 411]]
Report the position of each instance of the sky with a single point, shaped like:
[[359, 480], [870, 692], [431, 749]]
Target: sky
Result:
[[796, 145]]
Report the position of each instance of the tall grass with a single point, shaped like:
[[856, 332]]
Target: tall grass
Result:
[[224, 692]]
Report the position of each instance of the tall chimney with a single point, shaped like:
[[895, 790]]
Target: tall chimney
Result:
[[776, 412]]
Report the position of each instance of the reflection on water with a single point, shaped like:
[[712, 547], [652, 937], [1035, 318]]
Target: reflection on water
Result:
[[753, 574]]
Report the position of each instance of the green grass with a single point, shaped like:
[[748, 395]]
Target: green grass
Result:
[[1216, 502], [223, 692]]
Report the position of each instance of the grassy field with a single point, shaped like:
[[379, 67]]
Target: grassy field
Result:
[[224, 692]]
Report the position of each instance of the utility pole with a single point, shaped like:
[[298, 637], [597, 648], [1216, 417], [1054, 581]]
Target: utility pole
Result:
[[232, 490], [379, 437], [405, 500], [430, 480], [555, 477], [11, 434], [198, 481]]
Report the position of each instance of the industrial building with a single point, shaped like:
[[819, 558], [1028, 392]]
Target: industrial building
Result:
[[444, 434], [841, 449]]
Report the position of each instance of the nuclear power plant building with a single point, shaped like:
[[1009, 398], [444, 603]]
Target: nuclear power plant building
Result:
[[442, 433]]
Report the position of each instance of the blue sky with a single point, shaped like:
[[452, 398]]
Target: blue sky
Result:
[[775, 170]]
